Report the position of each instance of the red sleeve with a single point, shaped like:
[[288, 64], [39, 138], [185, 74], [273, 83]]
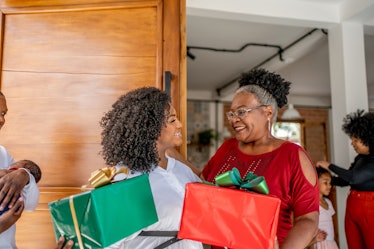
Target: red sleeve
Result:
[[305, 195]]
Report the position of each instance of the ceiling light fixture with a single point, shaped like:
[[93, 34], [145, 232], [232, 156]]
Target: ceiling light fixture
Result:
[[291, 113]]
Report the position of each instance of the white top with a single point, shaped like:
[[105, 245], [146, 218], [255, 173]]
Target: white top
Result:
[[168, 188], [325, 220], [30, 194]]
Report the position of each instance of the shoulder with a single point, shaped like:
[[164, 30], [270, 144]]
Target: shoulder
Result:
[[307, 167], [328, 201], [182, 170], [301, 159], [3, 150], [5, 158]]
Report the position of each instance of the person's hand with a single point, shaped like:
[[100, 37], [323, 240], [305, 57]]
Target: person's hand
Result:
[[321, 235], [60, 243], [9, 217], [11, 186], [323, 164], [3, 172]]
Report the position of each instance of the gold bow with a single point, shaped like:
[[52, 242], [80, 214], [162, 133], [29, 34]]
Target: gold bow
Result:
[[105, 175]]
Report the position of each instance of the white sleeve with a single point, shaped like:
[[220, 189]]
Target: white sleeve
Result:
[[30, 193], [6, 158]]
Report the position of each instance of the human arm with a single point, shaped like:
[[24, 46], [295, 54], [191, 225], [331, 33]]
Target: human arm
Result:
[[9, 217], [11, 185], [305, 225], [321, 236], [16, 183], [336, 181], [360, 174], [303, 231]]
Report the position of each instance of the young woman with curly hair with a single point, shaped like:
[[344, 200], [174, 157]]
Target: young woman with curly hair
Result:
[[287, 168], [359, 214], [137, 131]]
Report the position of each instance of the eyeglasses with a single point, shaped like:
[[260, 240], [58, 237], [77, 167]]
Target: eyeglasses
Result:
[[241, 112]]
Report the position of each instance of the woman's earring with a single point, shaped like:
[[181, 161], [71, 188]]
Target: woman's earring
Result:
[[269, 126]]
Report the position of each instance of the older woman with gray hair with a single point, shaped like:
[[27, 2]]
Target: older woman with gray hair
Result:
[[287, 168]]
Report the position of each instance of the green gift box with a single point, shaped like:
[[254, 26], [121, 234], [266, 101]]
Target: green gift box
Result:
[[103, 216]]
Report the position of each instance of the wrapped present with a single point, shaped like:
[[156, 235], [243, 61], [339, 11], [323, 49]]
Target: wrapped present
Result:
[[229, 217], [105, 215]]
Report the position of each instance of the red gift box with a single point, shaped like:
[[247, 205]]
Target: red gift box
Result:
[[229, 217]]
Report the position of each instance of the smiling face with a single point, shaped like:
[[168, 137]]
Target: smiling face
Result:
[[254, 125], [359, 147], [324, 183], [171, 134]]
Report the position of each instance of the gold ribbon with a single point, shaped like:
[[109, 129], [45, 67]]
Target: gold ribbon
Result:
[[75, 221], [105, 175]]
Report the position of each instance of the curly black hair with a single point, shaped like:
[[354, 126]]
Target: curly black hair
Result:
[[271, 82], [132, 127], [360, 125], [321, 171]]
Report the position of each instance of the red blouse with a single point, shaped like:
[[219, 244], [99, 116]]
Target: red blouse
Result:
[[283, 174]]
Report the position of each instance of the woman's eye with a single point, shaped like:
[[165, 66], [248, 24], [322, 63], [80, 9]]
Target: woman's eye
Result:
[[241, 112]]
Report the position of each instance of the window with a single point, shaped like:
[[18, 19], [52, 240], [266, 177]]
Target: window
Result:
[[290, 131]]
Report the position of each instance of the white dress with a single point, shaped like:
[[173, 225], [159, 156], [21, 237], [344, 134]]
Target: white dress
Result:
[[30, 194], [168, 189], [326, 224]]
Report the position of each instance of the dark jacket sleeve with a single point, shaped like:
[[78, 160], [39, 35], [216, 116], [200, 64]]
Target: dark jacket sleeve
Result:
[[343, 177], [360, 176]]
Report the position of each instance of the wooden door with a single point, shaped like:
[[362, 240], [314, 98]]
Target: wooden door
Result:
[[63, 64]]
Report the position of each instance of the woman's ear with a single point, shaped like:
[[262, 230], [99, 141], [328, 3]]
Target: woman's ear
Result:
[[269, 112]]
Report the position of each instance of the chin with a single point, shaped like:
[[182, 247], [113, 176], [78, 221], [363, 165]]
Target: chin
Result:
[[178, 142]]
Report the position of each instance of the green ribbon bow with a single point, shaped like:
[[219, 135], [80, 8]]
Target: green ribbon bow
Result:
[[250, 182]]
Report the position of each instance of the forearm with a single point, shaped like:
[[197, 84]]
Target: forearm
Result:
[[344, 174], [302, 233]]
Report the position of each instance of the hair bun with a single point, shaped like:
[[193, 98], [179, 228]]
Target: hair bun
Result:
[[271, 82]]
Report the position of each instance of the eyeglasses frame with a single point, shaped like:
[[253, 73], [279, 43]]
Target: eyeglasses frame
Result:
[[247, 110]]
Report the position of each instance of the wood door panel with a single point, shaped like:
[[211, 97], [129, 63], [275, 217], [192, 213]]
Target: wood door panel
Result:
[[36, 229], [63, 164], [53, 85], [63, 63], [92, 42]]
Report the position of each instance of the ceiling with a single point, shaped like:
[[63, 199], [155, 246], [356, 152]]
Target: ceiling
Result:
[[261, 28]]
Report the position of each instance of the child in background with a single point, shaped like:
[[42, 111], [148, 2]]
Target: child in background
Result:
[[325, 237]]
